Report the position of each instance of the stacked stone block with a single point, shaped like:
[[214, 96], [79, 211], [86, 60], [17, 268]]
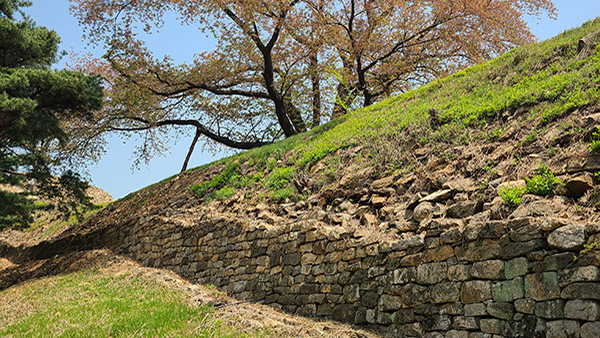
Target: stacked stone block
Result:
[[510, 278]]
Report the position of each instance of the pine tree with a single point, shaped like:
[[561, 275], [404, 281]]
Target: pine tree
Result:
[[34, 101]]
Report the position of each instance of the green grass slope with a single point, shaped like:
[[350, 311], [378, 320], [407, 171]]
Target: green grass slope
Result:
[[529, 88]]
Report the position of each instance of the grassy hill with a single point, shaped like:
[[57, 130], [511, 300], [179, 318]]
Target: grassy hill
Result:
[[536, 107], [528, 101]]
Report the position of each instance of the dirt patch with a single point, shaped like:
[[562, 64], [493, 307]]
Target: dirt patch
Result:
[[244, 317]]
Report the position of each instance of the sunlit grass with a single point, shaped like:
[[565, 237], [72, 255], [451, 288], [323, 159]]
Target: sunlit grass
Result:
[[548, 79], [90, 304]]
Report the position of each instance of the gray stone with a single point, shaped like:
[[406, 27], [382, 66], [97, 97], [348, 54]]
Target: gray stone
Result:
[[455, 309], [351, 293], [484, 230], [445, 293], [577, 186], [384, 318], [344, 313], [460, 185], [438, 323], [389, 303], [578, 274], [403, 316], [562, 329], [404, 275], [525, 306], [492, 269], [480, 335], [551, 224], [526, 233], [516, 267], [567, 238], [521, 249], [432, 273], [464, 209], [459, 272], [422, 211], [501, 310], [476, 291], [555, 262], [581, 291], [475, 310], [537, 209], [465, 323], [457, 334], [414, 201], [592, 229], [433, 335], [590, 330], [451, 236], [542, 286], [414, 295], [413, 330], [490, 326], [480, 250], [438, 196], [552, 309], [582, 309]]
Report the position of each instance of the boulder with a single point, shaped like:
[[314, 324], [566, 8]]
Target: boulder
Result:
[[422, 211], [537, 208], [438, 196], [583, 309], [578, 185], [590, 330], [567, 238], [562, 329], [464, 209], [460, 185], [344, 313]]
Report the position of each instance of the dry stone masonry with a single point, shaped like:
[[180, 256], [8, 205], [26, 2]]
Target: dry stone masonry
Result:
[[463, 275], [437, 263]]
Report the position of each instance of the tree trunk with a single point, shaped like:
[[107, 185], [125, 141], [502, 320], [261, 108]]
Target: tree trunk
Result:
[[344, 99], [316, 89], [192, 146], [295, 116]]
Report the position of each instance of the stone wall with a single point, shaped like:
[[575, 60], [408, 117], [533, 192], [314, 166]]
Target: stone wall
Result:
[[512, 278]]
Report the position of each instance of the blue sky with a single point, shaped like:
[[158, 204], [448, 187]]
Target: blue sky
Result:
[[114, 172]]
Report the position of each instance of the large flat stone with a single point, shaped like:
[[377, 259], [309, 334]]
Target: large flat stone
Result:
[[492, 269], [588, 310], [567, 238], [542, 286], [581, 291], [590, 330], [476, 291], [562, 329]]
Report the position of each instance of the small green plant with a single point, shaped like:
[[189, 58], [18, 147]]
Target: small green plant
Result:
[[494, 134], [595, 145], [591, 245], [224, 178], [221, 194], [280, 178], [512, 196], [517, 160], [271, 164], [282, 194], [541, 183]]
